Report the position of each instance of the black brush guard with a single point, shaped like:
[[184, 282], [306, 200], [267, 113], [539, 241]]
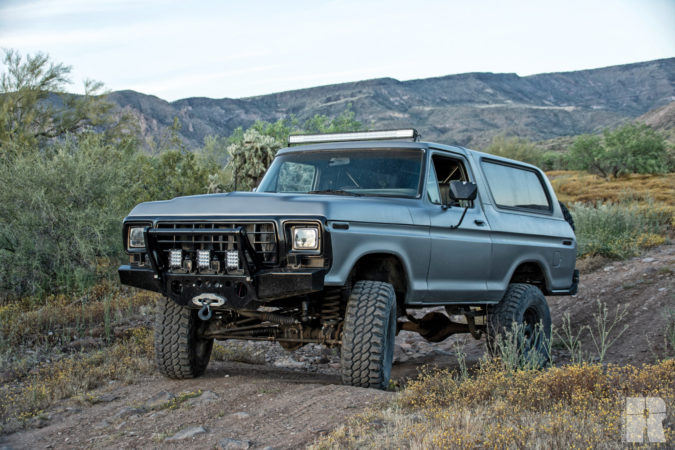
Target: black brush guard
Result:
[[238, 290]]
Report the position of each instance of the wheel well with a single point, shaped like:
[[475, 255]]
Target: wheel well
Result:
[[530, 273], [382, 267]]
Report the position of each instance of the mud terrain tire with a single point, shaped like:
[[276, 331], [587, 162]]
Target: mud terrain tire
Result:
[[369, 335], [566, 214], [523, 304], [179, 351]]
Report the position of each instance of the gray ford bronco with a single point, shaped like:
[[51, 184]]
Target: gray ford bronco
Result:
[[343, 239]]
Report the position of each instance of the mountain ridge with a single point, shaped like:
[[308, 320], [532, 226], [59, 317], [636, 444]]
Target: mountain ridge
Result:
[[466, 109]]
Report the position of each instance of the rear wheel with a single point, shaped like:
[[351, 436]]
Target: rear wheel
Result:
[[525, 306], [369, 335], [180, 351]]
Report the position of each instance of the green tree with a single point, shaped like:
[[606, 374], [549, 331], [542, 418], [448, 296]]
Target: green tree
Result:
[[34, 107], [631, 148], [638, 148], [588, 152]]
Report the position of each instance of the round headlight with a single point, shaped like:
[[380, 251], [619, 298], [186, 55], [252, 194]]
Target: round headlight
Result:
[[305, 239]]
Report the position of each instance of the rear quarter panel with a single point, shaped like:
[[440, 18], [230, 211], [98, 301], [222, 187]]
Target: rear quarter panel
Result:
[[520, 236]]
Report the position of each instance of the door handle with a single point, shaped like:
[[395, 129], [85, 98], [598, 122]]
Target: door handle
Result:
[[478, 222]]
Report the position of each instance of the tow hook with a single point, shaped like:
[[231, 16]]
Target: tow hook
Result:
[[205, 313], [206, 301]]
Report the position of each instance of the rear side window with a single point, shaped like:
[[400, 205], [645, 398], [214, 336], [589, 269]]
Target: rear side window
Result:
[[516, 187]]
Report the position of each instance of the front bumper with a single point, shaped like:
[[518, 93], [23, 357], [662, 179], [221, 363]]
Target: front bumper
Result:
[[237, 290]]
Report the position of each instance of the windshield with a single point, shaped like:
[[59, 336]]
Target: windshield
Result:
[[374, 172]]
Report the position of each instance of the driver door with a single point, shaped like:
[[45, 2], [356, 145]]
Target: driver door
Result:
[[460, 258]]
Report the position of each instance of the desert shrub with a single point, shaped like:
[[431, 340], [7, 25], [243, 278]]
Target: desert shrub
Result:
[[171, 173], [516, 148], [552, 160], [511, 348], [63, 206], [578, 406], [61, 214], [619, 230]]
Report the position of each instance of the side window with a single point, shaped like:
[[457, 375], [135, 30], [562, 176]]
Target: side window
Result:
[[296, 177], [516, 187], [442, 171]]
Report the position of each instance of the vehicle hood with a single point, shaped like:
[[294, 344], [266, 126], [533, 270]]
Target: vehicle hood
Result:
[[254, 204]]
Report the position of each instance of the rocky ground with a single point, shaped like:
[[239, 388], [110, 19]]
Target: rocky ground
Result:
[[256, 395]]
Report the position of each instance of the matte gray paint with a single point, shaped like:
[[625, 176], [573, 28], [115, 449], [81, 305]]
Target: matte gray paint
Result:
[[472, 264]]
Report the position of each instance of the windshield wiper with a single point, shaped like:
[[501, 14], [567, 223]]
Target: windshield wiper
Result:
[[335, 192]]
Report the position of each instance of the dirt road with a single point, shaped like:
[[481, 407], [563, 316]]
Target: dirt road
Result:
[[289, 399], [251, 405]]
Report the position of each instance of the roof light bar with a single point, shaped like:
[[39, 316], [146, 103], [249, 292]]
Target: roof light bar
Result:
[[408, 133]]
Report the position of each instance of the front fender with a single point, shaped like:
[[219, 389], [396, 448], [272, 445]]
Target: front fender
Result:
[[409, 243]]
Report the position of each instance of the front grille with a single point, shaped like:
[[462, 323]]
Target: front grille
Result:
[[261, 235]]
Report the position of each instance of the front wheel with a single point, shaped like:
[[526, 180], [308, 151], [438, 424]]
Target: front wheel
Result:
[[180, 351], [369, 335]]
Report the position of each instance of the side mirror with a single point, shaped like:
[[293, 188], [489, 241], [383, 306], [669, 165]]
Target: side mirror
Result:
[[463, 190]]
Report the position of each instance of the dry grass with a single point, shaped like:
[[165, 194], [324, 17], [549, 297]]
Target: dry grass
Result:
[[74, 375], [577, 406], [60, 318], [40, 363], [572, 187]]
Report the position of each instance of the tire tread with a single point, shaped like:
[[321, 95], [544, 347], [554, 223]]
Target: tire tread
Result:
[[175, 342], [364, 339]]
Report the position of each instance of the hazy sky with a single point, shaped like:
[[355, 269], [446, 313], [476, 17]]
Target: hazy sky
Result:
[[178, 49]]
